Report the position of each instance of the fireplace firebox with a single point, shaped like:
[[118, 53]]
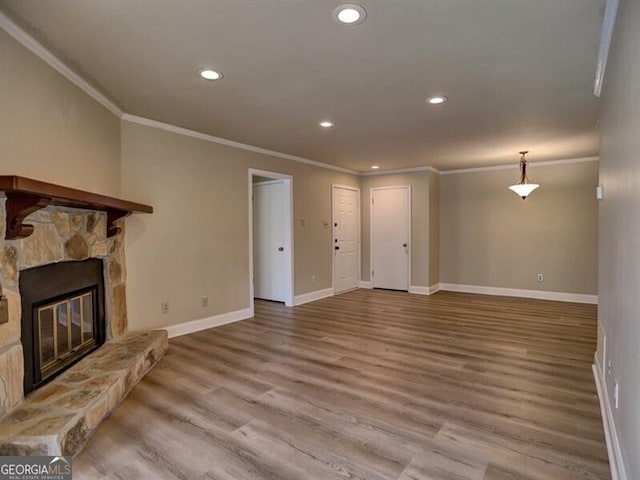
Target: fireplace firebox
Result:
[[63, 317]]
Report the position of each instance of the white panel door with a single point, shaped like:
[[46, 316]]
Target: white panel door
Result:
[[270, 241], [346, 238], [390, 234]]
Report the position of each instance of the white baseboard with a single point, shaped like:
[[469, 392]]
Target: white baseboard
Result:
[[616, 462], [312, 296], [209, 322], [515, 292], [366, 285], [430, 290], [418, 290]]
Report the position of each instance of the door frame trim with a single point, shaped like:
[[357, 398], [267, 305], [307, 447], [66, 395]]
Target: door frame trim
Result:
[[371, 239], [334, 186], [288, 182]]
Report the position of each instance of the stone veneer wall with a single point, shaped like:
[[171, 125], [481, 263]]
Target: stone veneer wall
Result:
[[61, 234]]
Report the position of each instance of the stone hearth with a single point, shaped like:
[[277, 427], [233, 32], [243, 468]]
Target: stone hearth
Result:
[[58, 418]]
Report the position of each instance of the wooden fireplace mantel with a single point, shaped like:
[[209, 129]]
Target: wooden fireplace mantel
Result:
[[25, 196]]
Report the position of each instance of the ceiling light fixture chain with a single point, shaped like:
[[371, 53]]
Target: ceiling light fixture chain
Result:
[[523, 167]]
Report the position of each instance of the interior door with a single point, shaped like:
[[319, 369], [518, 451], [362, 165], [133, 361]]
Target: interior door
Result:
[[346, 238], [269, 241], [390, 234]]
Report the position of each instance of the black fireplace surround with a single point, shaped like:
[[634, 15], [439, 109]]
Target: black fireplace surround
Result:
[[54, 287]]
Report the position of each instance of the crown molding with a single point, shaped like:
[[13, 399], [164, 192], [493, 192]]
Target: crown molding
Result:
[[401, 170], [608, 25], [548, 163], [127, 117], [54, 62]]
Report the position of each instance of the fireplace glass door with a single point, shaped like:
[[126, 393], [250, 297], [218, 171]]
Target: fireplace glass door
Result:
[[63, 317], [65, 330]]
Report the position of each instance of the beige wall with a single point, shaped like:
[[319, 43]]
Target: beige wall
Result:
[[420, 221], [619, 246], [52, 131], [196, 242], [490, 237]]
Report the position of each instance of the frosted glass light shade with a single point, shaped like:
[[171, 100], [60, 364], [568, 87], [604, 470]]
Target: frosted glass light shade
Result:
[[523, 189]]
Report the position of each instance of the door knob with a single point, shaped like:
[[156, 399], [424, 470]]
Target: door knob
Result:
[[404, 245], [337, 247], [281, 249]]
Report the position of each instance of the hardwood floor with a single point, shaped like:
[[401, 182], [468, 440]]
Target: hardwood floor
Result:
[[369, 385]]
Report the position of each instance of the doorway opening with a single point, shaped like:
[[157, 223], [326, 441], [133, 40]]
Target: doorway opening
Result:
[[270, 237]]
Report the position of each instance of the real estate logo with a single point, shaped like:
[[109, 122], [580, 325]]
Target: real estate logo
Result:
[[35, 468]]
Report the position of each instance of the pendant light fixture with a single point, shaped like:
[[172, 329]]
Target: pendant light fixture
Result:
[[523, 188]]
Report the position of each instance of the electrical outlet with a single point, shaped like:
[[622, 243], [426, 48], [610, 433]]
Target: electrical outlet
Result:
[[164, 307], [313, 279], [541, 277], [616, 394], [204, 301]]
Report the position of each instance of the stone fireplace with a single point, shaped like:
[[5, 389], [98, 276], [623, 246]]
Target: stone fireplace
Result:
[[62, 295], [60, 235]]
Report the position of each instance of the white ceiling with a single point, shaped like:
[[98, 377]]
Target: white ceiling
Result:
[[519, 74]]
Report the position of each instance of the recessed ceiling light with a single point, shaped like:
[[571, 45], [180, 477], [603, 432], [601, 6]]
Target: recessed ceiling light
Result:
[[326, 124], [437, 100], [375, 167], [349, 14], [209, 74]]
